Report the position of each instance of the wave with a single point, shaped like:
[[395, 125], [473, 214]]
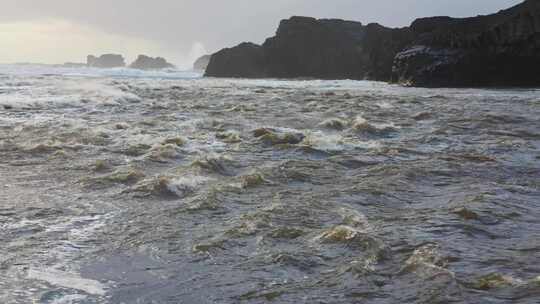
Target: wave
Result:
[[51, 70]]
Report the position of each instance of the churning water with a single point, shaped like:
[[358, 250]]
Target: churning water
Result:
[[124, 187]]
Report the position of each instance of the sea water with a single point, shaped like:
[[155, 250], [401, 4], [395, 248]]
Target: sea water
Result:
[[123, 186]]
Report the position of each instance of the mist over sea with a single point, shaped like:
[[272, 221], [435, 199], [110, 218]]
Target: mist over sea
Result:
[[124, 186]]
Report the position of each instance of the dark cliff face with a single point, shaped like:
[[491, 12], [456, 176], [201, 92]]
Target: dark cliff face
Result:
[[381, 44], [106, 61], [307, 47], [495, 50], [245, 60], [148, 63], [333, 49], [502, 49]]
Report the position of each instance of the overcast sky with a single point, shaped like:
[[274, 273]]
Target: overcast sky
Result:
[[55, 31]]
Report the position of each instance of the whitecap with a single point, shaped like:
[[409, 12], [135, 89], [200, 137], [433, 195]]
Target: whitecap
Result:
[[336, 143], [68, 280], [324, 142], [70, 299], [182, 186]]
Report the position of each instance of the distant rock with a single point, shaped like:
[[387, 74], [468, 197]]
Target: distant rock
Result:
[[501, 49], [106, 61], [201, 63], [144, 62], [245, 60], [74, 65]]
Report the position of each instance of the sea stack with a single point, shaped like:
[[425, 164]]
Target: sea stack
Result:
[[106, 61], [144, 62]]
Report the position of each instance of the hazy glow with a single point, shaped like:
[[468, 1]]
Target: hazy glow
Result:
[[59, 41]]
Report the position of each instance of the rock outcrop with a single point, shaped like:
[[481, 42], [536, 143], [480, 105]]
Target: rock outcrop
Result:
[[502, 49], [144, 62], [245, 60], [332, 49], [201, 63], [307, 47], [105, 61]]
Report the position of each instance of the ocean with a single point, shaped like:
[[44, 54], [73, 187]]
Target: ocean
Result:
[[122, 186]]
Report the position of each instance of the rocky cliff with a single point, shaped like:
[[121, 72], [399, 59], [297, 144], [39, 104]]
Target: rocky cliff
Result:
[[144, 62], [246, 60], [332, 49], [105, 61], [494, 50], [502, 49], [307, 47]]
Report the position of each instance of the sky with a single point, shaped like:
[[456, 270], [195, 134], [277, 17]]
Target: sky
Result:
[[58, 31]]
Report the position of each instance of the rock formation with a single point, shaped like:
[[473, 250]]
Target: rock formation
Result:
[[502, 49], [144, 62], [201, 63], [307, 47], [332, 49], [245, 60], [105, 61]]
